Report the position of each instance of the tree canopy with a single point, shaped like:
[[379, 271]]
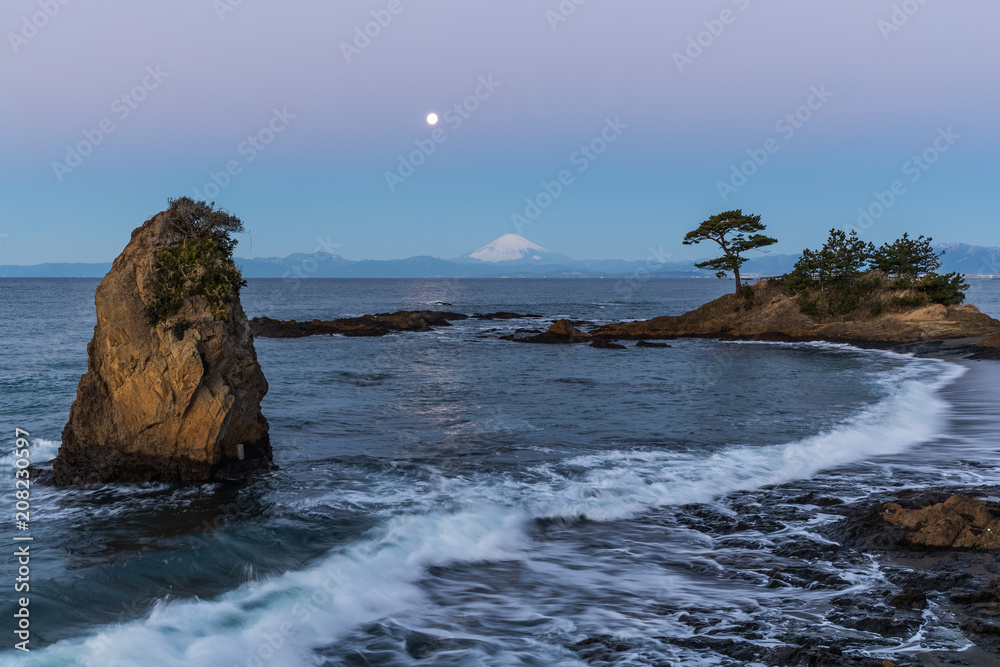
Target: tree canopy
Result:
[[845, 269], [735, 234], [842, 256], [198, 263], [906, 258]]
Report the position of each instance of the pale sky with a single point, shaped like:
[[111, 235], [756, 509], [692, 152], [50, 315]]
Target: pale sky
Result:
[[643, 107]]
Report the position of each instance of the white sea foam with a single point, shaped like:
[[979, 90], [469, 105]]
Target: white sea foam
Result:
[[282, 620], [40, 451]]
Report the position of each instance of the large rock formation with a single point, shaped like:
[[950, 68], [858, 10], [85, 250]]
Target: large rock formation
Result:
[[179, 401], [770, 314]]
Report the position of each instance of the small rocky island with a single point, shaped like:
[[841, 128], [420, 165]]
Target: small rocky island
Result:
[[768, 311], [173, 389]]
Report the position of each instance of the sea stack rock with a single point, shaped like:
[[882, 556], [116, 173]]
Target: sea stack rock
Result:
[[172, 390]]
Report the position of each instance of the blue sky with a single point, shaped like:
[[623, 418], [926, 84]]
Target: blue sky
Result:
[[310, 127]]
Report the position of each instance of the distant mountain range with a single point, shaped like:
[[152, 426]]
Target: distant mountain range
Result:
[[510, 256]]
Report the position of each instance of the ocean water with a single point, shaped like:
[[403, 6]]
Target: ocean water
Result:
[[449, 498]]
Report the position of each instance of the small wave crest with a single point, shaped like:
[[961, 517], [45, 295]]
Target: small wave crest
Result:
[[40, 451]]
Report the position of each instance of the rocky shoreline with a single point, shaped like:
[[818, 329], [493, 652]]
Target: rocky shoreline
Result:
[[768, 315], [941, 543], [938, 549]]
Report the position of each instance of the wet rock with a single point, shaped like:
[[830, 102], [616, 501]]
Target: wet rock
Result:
[[929, 551], [909, 598], [566, 328], [813, 498], [987, 348], [644, 343], [607, 345], [366, 325], [959, 521], [981, 627], [561, 332]]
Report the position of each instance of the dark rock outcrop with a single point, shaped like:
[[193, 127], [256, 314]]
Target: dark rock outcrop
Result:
[[607, 345], [562, 332], [988, 348], [162, 403], [646, 343], [366, 325], [935, 543]]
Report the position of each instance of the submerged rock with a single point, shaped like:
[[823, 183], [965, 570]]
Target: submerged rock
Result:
[[173, 401], [607, 345], [502, 315]]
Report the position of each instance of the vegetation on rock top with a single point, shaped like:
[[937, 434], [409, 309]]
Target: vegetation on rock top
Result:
[[197, 262], [846, 278], [849, 278]]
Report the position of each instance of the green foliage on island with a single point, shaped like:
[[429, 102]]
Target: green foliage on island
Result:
[[735, 234], [849, 278], [846, 278], [198, 262]]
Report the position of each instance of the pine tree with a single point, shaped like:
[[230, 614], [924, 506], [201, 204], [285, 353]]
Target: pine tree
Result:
[[735, 234]]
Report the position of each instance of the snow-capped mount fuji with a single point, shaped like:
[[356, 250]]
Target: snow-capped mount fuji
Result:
[[511, 248]]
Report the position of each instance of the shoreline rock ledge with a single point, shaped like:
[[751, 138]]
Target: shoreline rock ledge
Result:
[[178, 401]]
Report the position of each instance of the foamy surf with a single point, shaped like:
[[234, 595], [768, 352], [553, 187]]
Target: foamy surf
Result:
[[283, 620], [40, 451]]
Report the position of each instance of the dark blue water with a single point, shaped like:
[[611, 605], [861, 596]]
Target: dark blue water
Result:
[[449, 498]]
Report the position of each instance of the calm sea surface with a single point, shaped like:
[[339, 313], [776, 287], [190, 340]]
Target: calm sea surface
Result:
[[449, 498]]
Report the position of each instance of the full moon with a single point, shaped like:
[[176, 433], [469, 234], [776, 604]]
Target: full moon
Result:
[[432, 119]]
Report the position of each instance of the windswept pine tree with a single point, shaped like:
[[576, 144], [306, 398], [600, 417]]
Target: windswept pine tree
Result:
[[735, 234]]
